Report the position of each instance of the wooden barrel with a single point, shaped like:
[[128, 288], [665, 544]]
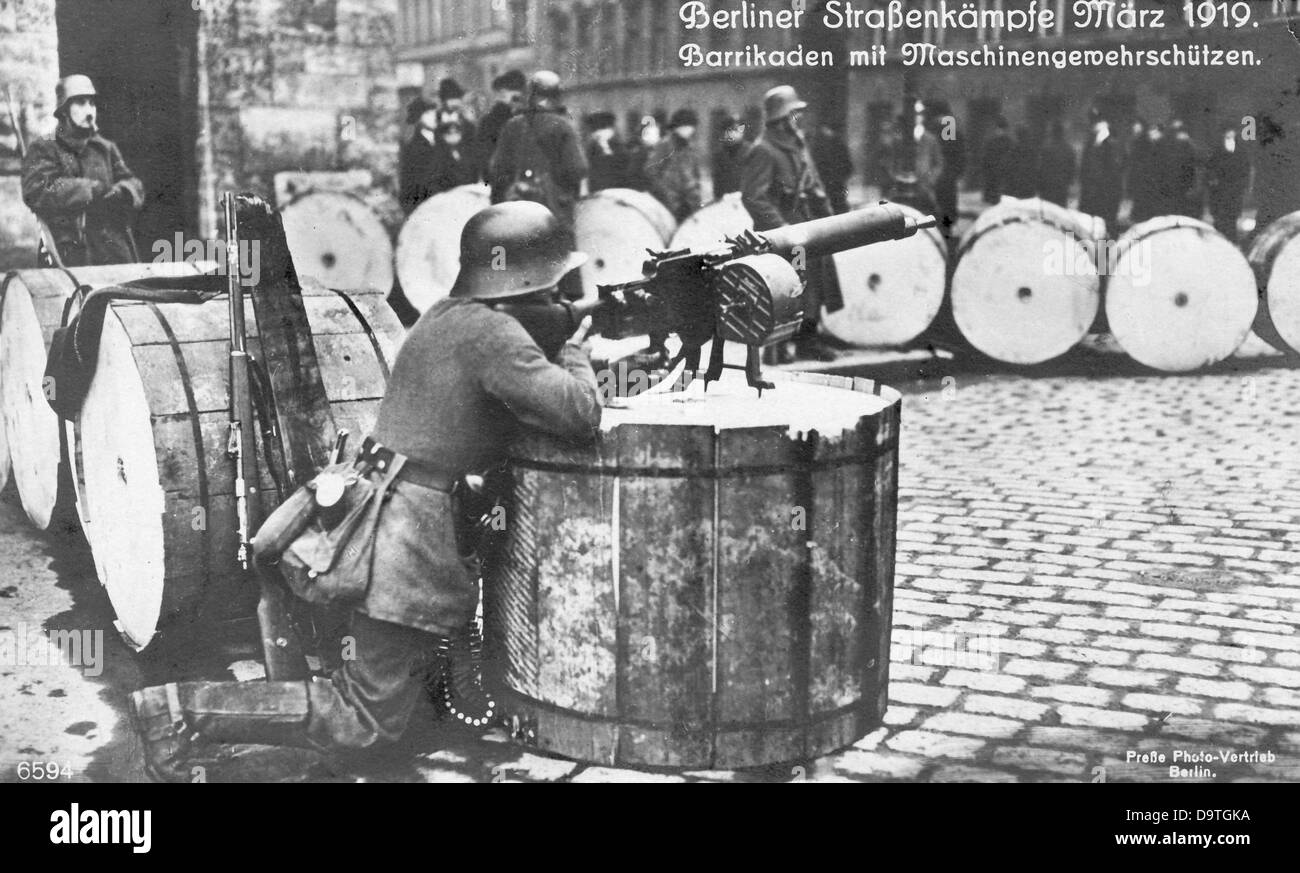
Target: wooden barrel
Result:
[[1026, 288], [615, 228], [428, 247], [1275, 258], [337, 240], [152, 437], [713, 224], [711, 584], [33, 306], [892, 290], [1181, 295]]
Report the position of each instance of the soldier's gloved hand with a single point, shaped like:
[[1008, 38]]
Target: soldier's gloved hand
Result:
[[98, 190], [120, 195]]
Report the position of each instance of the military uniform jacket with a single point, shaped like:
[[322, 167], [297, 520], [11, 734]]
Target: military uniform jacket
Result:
[[544, 141], [64, 182], [779, 184], [466, 383], [676, 172]]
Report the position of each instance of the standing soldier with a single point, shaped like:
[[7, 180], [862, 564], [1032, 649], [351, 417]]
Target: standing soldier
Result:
[[674, 168], [540, 158], [468, 380], [997, 165], [507, 100], [1145, 185], [780, 186], [831, 156], [941, 124], [1227, 175], [1056, 165], [1181, 162], [78, 184], [1101, 182], [729, 156]]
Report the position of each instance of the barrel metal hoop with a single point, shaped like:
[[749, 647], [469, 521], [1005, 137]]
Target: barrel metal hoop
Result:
[[682, 473], [1014, 218], [200, 452], [370, 331], [717, 727]]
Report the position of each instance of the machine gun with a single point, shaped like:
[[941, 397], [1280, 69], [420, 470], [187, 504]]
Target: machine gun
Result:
[[747, 289]]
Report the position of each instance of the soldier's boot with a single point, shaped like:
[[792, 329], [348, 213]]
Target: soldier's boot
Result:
[[458, 679], [171, 719]]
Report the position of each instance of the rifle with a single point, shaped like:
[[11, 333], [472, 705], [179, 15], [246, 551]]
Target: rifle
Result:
[[281, 648], [746, 289]]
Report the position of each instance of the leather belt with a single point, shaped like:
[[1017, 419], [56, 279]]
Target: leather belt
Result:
[[412, 471]]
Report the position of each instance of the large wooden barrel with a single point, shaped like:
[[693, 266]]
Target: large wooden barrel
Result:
[[1275, 258], [1181, 295], [892, 290], [33, 307], [615, 228], [428, 247], [719, 221], [339, 241], [1026, 288], [156, 483], [710, 584]]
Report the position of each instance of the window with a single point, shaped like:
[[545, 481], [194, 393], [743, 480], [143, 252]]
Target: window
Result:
[[518, 22]]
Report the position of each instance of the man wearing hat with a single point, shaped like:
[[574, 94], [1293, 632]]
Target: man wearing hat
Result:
[[467, 381], [419, 157], [1101, 171], [729, 155], [607, 157], [507, 100], [451, 97], [779, 186], [674, 167], [78, 184]]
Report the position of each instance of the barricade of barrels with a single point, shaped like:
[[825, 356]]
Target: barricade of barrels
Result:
[[1024, 285]]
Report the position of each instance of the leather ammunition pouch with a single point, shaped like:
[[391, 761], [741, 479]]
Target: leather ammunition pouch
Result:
[[325, 552]]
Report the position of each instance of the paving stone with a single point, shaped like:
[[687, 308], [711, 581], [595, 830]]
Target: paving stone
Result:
[[976, 725], [936, 745], [1074, 694], [1125, 678], [1031, 758], [1087, 716], [1194, 666]]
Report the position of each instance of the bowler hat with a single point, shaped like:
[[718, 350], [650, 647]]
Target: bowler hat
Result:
[[450, 89], [684, 118], [510, 80], [418, 107]]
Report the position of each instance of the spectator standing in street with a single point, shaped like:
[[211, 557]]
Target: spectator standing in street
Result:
[[997, 162], [1227, 176], [729, 156], [607, 157], [419, 155], [453, 165], [1056, 166], [942, 124], [831, 155], [674, 167], [1145, 183], [1181, 161], [638, 157], [507, 100], [1024, 158], [1101, 179]]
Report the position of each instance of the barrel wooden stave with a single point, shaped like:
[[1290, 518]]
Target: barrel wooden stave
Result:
[[1275, 259], [630, 683], [34, 303], [428, 246], [178, 386], [1196, 265]]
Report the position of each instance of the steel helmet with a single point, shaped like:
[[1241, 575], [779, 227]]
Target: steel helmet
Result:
[[70, 88], [781, 101], [512, 249]]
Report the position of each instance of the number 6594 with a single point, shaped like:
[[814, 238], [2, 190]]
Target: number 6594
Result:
[[29, 770]]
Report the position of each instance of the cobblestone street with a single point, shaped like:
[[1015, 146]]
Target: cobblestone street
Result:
[[1087, 567]]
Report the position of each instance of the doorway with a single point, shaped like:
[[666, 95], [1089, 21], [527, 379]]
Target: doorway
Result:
[[139, 53]]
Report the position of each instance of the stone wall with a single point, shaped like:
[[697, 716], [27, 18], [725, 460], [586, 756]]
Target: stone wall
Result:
[[303, 85]]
